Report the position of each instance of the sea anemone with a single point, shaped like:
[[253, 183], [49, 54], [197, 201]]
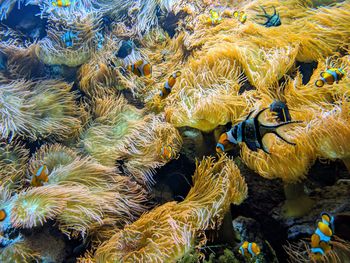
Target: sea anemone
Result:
[[330, 132], [76, 208], [13, 161], [167, 232], [38, 109], [54, 50], [22, 61], [16, 250], [133, 138]]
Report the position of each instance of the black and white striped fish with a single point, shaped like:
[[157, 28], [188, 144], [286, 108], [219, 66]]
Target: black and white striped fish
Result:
[[250, 131]]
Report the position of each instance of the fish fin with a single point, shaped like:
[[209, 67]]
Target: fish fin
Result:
[[319, 83], [249, 115], [251, 146], [274, 11], [273, 129], [263, 9], [283, 139], [264, 148], [228, 125], [259, 114], [280, 125]]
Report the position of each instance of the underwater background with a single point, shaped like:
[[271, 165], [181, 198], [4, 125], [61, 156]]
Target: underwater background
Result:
[[174, 131]]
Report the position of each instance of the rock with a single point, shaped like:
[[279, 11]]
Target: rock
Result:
[[249, 229], [332, 199]]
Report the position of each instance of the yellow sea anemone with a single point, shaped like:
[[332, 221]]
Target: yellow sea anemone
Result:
[[38, 109], [13, 162], [330, 132], [166, 233], [122, 132], [54, 50]]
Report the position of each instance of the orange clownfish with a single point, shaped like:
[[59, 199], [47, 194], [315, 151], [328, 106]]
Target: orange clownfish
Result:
[[61, 3], [141, 69], [249, 249], [2, 215], [167, 153], [241, 16], [330, 76], [40, 177], [169, 84], [320, 240]]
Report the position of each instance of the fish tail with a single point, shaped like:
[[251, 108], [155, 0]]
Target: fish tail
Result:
[[319, 83], [265, 129]]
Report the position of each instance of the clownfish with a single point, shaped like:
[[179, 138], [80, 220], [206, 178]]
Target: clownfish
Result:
[[249, 249], [2, 215], [167, 153], [250, 131], [169, 84], [40, 177], [330, 76], [141, 69], [281, 110], [320, 240], [61, 3], [68, 38], [214, 18], [241, 16]]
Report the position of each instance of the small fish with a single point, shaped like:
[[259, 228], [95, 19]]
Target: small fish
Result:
[[68, 38], [61, 3], [125, 49], [141, 69], [272, 20], [214, 18], [99, 40], [330, 76], [320, 240], [249, 249], [169, 84], [167, 153], [241, 16], [40, 177], [281, 110], [251, 132], [2, 215]]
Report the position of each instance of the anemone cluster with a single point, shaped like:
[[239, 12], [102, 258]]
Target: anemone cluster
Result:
[[92, 110]]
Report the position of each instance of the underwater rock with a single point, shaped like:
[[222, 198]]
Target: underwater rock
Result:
[[248, 229], [333, 199], [50, 244], [170, 22], [26, 22], [196, 144]]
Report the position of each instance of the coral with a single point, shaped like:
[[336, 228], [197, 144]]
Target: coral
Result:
[[216, 185], [122, 132]]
